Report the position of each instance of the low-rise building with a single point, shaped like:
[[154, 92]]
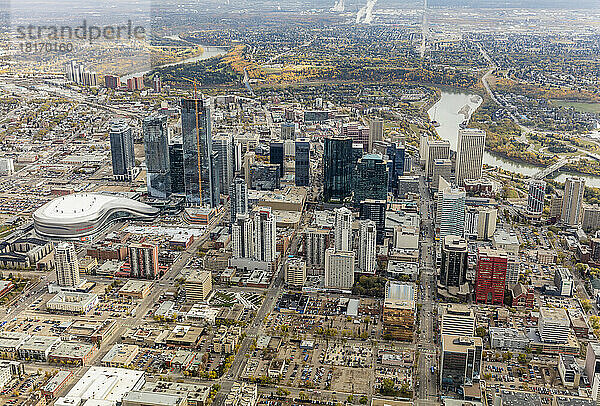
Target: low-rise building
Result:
[[195, 394], [399, 310], [508, 338], [56, 384], [137, 289], [37, 347], [242, 394], [120, 355], [72, 353], [72, 302]]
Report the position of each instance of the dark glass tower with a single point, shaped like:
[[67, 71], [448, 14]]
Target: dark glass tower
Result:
[[276, 155], [176, 164], [396, 155], [121, 149], [156, 147], [337, 169], [196, 126], [371, 178], [302, 150]]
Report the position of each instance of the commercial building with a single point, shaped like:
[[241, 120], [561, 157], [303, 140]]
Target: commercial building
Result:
[[396, 156], [337, 169], [569, 371], [435, 149], [570, 214], [83, 214], [295, 272], [469, 154], [10, 342], [195, 394], [535, 198], [142, 398], [506, 241], [222, 146], [242, 394], [508, 338], [458, 320], [265, 177], [196, 127], [441, 168], [563, 280], [454, 266], [156, 149], [276, 156], [143, 260], [374, 210], [491, 276], [176, 166], [461, 361], [7, 166], [198, 286], [121, 150], [67, 265], [592, 360], [342, 231], [72, 353], [375, 131], [339, 269], [238, 198], [553, 325], [302, 162], [367, 247], [371, 180], [451, 210], [399, 307], [72, 302], [56, 384], [37, 347], [135, 289]]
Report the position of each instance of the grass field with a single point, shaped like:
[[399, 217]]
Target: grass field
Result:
[[579, 106]]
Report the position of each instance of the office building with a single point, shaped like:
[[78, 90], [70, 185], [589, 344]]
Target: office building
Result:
[[198, 286], [156, 148], [358, 133], [67, 265], [461, 361], [339, 269], [374, 210], [399, 309], [143, 261], [7, 167], [375, 131], [238, 198], [570, 214], [458, 319], [288, 131], [121, 150], [486, 222], [569, 372], [451, 210], [535, 198], [337, 169], [316, 241], [276, 156], [443, 168], [265, 177], [367, 247], [436, 149], [371, 178], [223, 148], [295, 272], [454, 266], [592, 360], [469, 155], [176, 167], [196, 127], [553, 325], [491, 276], [396, 156], [342, 230], [302, 164], [242, 237], [563, 280], [265, 238]]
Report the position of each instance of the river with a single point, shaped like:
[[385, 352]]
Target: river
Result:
[[449, 111], [209, 52]]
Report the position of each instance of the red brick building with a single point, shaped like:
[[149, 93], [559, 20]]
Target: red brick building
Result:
[[491, 276]]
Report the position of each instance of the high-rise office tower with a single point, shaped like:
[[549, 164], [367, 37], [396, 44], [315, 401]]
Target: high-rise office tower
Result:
[[276, 156], [121, 149], [143, 259], [302, 164], [339, 269], [367, 247], [535, 198], [570, 214], [371, 178], [238, 198], [436, 149], [486, 222], [342, 230], [375, 131], [196, 126], [491, 276], [337, 169], [443, 168], [67, 265], [359, 134], [469, 154], [265, 239], [461, 361], [316, 241], [242, 239], [288, 131], [451, 210], [454, 267], [374, 210], [156, 147], [396, 156], [423, 140], [176, 166], [222, 146]]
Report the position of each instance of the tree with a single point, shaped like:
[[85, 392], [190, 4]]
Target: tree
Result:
[[481, 332], [522, 358]]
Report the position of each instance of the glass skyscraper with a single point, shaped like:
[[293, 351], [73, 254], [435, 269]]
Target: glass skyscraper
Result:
[[337, 168], [396, 155], [302, 151], [371, 178], [121, 149], [176, 164], [196, 126], [156, 146]]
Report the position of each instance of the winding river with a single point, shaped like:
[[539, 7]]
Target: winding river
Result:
[[450, 112]]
